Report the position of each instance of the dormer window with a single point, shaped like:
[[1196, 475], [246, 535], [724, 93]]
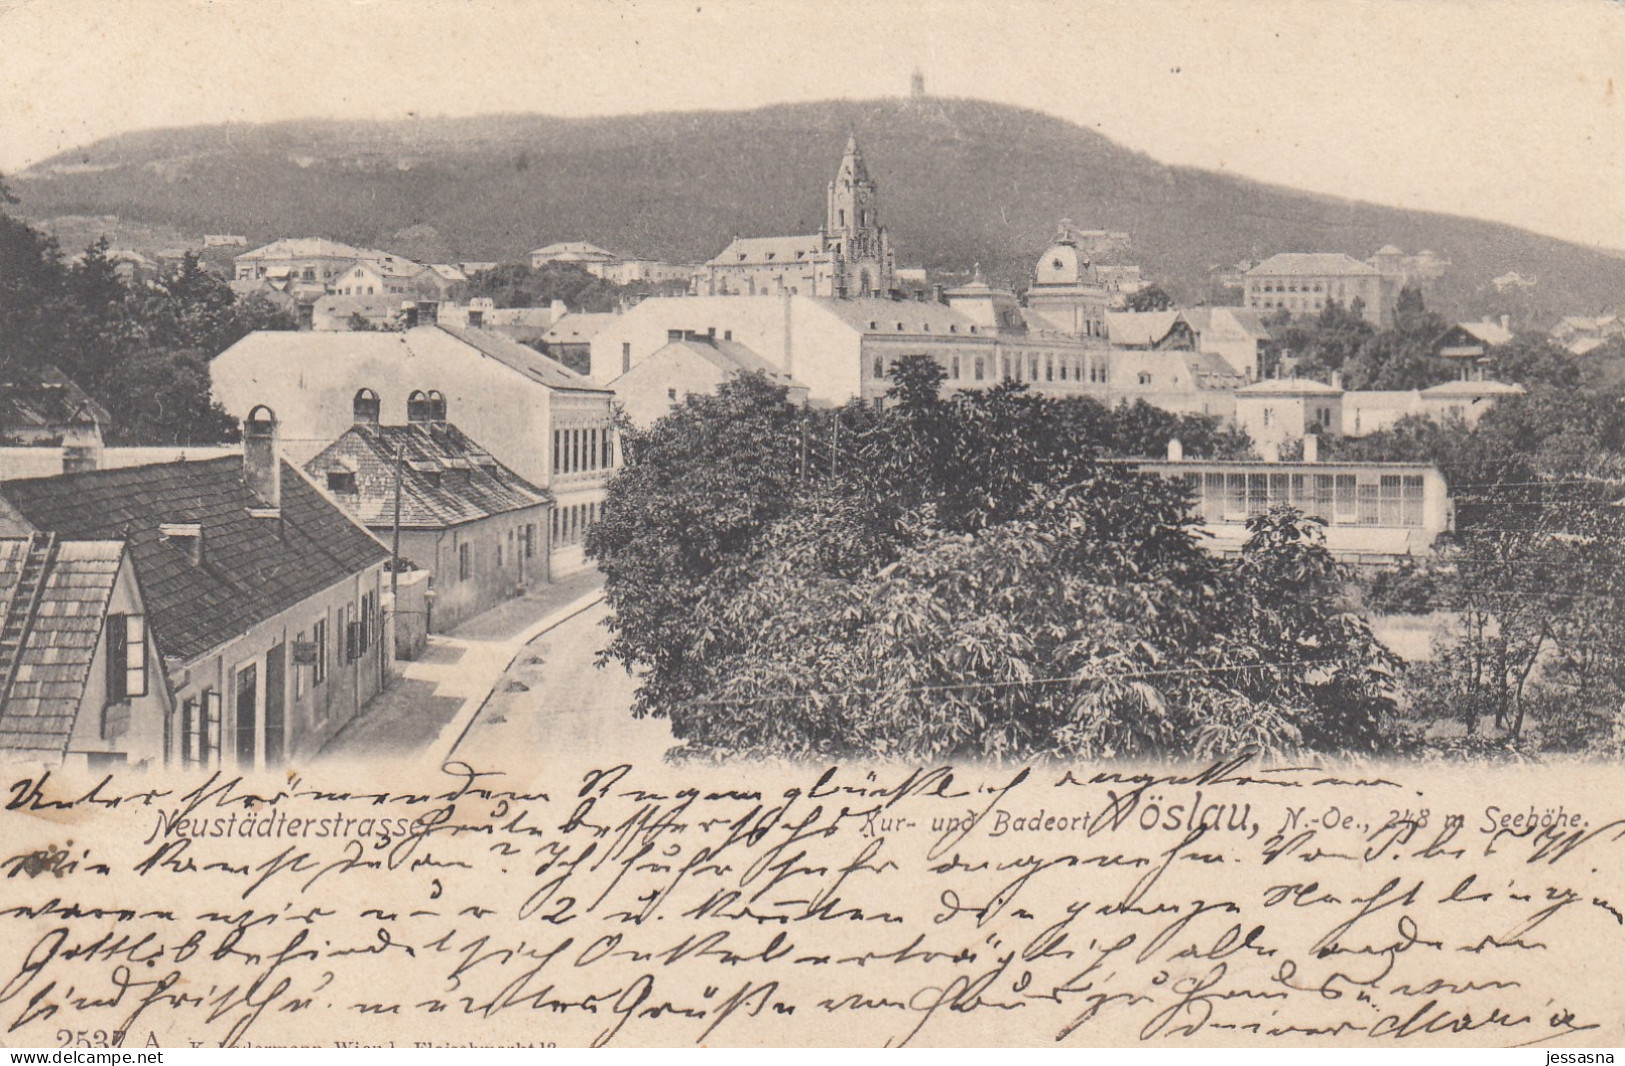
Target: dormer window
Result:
[[341, 481]]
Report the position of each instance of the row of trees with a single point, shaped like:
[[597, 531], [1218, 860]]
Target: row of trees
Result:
[[1531, 587], [965, 576], [519, 285], [141, 350]]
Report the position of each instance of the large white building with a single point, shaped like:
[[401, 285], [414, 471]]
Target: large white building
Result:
[[841, 349]]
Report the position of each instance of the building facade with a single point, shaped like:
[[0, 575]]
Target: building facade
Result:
[[551, 426], [478, 528], [81, 681], [1375, 513], [265, 598], [1304, 282]]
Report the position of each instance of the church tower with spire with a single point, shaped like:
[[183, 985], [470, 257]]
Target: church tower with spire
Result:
[[861, 256]]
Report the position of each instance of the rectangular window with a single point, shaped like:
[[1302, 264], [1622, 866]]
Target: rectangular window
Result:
[[368, 611], [1370, 504], [981, 371], [189, 731], [1346, 507], [1213, 497], [200, 729], [1258, 493], [558, 450], [300, 680], [318, 636], [1412, 510], [626, 356], [1235, 502], [465, 562], [126, 657]]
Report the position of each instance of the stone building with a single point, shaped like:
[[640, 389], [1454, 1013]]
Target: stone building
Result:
[[851, 256]]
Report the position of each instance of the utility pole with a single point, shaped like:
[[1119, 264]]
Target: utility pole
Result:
[[395, 546], [804, 428], [835, 446]]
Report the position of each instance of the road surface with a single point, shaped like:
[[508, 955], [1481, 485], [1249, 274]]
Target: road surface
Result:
[[554, 701]]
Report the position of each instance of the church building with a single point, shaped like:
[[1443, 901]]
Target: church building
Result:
[[849, 257]]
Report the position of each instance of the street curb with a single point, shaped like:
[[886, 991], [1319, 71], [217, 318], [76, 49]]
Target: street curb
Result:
[[464, 719]]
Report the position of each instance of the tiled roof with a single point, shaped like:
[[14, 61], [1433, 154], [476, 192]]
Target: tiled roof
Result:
[[1289, 387], [526, 360], [1311, 264], [253, 568], [728, 356], [576, 252], [578, 327], [1472, 389], [37, 713], [58, 401], [448, 271], [1142, 328], [310, 248], [914, 315], [775, 251], [366, 306], [1212, 371], [1491, 333], [446, 478], [393, 266]]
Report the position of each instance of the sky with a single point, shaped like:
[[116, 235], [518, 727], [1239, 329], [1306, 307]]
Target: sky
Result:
[[1500, 110]]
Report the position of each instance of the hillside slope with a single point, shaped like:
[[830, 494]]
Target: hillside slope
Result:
[[961, 182]]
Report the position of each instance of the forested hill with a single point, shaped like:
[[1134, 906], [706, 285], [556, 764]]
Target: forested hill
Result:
[[962, 182]]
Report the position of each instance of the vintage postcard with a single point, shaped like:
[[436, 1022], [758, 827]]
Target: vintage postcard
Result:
[[568, 523]]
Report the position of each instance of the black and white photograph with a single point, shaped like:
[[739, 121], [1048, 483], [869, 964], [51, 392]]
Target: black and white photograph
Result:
[[554, 523]]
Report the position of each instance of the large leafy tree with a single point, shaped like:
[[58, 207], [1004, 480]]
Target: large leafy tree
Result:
[[960, 575], [142, 350]]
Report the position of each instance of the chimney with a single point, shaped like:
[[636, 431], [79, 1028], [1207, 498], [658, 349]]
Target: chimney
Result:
[[425, 408], [1337, 379], [366, 409], [938, 294], [1311, 448], [79, 458], [262, 465], [555, 311], [1506, 322], [1176, 450], [187, 536]]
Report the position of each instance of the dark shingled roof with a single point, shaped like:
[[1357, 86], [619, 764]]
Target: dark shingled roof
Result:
[[446, 478], [253, 568], [37, 712]]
